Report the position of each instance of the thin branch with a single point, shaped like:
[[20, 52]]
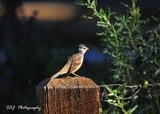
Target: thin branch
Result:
[[130, 97], [155, 85], [117, 85]]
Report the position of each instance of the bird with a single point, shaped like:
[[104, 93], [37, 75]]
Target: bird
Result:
[[74, 62]]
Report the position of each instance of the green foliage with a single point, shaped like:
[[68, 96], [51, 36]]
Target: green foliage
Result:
[[135, 51], [123, 38], [116, 99]]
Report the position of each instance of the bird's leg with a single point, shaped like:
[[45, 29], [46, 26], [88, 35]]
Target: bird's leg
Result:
[[73, 74]]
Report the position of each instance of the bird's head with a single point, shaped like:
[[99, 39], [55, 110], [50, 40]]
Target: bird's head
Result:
[[82, 48]]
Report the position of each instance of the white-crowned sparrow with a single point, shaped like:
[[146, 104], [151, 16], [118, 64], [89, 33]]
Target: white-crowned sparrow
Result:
[[74, 62]]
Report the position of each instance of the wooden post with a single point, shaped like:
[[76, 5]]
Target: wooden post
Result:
[[70, 95]]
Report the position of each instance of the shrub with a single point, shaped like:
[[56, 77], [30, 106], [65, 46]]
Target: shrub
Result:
[[135, 52]]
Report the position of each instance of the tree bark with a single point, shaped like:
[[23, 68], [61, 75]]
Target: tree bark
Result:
[[70, 95]]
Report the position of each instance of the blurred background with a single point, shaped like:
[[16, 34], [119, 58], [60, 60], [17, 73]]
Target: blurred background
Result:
[[37, 36]]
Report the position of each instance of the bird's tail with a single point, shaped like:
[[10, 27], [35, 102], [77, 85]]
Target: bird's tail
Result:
[[64, 70], [55, 75]]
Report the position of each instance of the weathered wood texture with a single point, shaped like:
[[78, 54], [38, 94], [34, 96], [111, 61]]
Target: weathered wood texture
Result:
[[70, 95]]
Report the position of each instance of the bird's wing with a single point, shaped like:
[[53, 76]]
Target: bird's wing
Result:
[[65, 67], [73, 63], [76, 61]]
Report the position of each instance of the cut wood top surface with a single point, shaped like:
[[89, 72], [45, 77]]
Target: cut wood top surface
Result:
[[68, 82]]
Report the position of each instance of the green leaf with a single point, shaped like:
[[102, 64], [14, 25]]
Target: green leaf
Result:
[[145, 83], [103, 15], [125, 5], [111, 94], [109, 89], [82, 3], [88, 1], [126, 103], [87, 17], [130, 111], [94, 3], [157, 72], [122, 88], [113, 102]]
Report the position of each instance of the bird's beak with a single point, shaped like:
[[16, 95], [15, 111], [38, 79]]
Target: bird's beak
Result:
[[87, 48]]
